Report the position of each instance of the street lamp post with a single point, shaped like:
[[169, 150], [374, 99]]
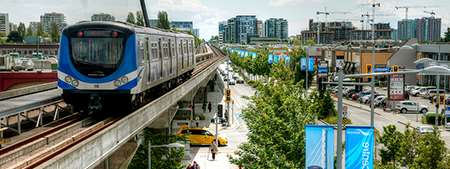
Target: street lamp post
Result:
[[372, 82]]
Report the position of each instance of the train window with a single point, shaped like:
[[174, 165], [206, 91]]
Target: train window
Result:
[[106, 52], [154, 50]]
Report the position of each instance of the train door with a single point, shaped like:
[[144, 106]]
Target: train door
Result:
[[147, 58], [192, 52], [160, 61], [154, 59]]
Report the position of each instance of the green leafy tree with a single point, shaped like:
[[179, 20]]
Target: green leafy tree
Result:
[[130, 18], [391, 139], [431, 151], [29, 31], [40, 30], [163, 157], [163, 20], [140, 18], [278, 107], [21, 29], [447, 36], [54, 32], [14, 37]]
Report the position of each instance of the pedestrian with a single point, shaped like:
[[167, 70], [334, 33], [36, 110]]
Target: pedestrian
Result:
[[197, 119], [195, 165], [213, 149], [209, 107]]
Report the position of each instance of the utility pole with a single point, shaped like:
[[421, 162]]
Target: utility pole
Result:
[[339, 125], [372, 82]]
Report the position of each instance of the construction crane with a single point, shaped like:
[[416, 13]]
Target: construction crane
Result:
[[432, 13], [407, 8]]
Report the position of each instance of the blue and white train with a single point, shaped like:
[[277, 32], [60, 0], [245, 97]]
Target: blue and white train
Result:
[[116, 65]]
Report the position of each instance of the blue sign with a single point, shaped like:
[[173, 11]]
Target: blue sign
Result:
[[302, 64], [311, 64], [319, 147], [276, 59], [270, 58], [359, 142], [323, 70], [287, 59], [384, 69], [254, 55]]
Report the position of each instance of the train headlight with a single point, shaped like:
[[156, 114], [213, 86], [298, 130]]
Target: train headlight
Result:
[[121, 81], [72, 81]]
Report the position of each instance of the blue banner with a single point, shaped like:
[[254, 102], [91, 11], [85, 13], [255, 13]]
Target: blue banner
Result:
[[287, 59], [311, 64], [270, 59], [303, 63], [322, 69], [359, 142], [276, 59], [253, 55], [319, 147]]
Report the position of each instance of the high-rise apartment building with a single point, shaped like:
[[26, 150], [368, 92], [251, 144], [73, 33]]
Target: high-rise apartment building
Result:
[[260, 28], [427, 29], [276, 28], [102, 17], [49, 18], [4, 24]]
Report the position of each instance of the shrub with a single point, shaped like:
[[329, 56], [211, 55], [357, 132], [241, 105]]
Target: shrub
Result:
[[430, 118]]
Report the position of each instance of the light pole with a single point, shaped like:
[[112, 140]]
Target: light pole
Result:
[[372, 82]]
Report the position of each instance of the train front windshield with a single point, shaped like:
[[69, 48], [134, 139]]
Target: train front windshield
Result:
[[96, 56]]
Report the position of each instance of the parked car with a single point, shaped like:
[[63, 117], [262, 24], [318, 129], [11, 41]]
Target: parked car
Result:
[[424, 91], [379, 101], [362, 94], [432, 92], [411, 106], [201, 136], [425, 129], [231, 82], [421, 90], [239, 80], [366, 98]]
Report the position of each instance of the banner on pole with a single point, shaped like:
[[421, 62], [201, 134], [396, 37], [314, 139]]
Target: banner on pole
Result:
[[270, 59], [359, 142], [319, 147]]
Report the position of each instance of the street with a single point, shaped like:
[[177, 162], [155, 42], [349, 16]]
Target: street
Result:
[[360, 115], [236, 133]]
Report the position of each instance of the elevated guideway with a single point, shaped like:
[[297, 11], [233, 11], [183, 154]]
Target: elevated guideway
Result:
[[97, 148]]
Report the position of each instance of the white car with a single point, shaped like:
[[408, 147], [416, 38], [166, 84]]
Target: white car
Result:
[[410, 106], [425, 129], [231, 81]]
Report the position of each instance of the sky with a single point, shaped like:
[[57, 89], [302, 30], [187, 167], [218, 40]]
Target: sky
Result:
[[206, 14]]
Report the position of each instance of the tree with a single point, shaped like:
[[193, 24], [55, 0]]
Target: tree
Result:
[[391, 139], [130, 18], [29, 31], [140, 18], [447, 36], [21, 29], [40, 30], [54, 32], [14, 37], [173, 156], [276, 120], [163, 20], [431, 151]]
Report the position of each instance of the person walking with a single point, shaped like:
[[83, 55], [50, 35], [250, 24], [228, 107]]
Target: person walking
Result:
[[209, 107], [195, 165], [213, 149]]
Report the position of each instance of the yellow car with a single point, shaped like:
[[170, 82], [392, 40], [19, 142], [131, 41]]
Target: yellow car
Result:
[[200, 136]]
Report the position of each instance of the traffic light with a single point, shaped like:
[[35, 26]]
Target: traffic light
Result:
[[220, 110], [369, 68], [227, 95], [395, 68]]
